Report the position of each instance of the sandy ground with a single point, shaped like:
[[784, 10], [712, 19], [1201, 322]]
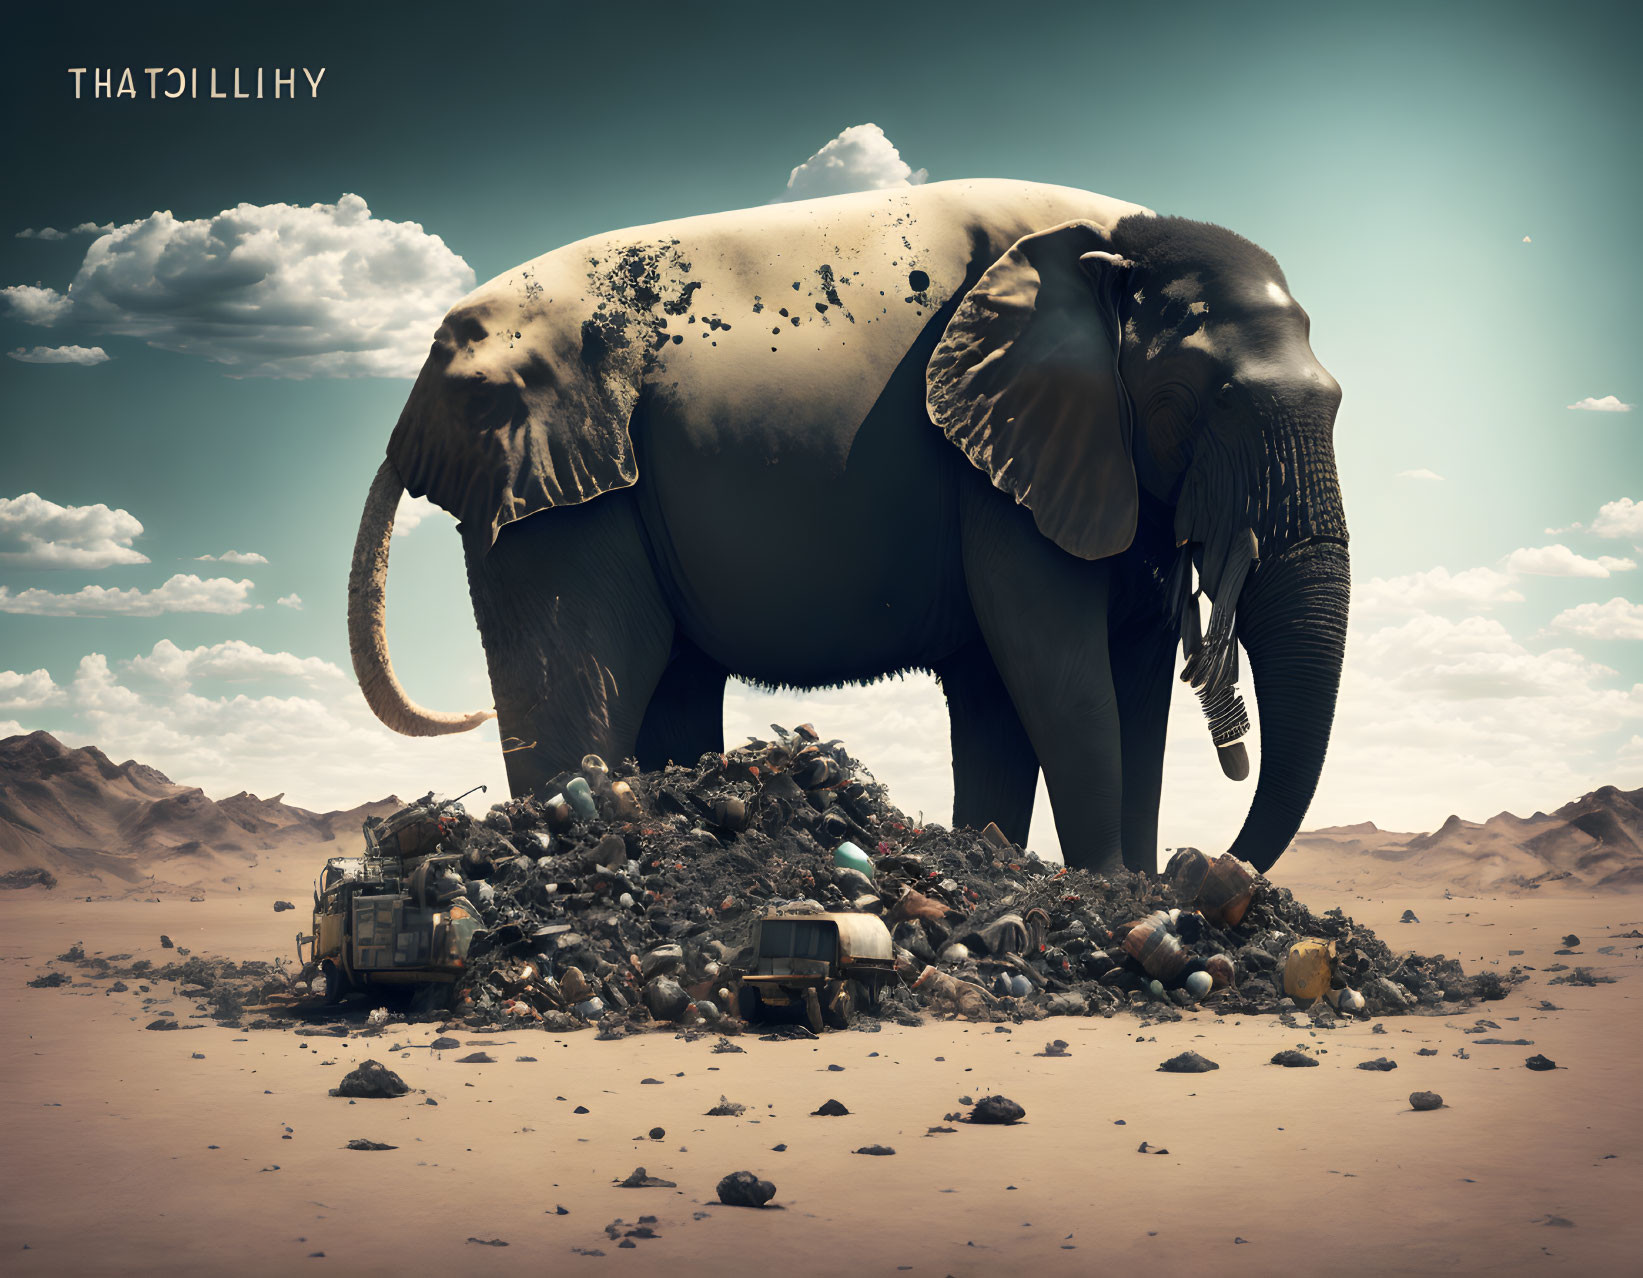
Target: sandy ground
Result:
[[126, 1153]]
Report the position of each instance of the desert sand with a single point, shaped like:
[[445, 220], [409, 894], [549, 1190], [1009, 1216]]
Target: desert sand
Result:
[[205, 1151]]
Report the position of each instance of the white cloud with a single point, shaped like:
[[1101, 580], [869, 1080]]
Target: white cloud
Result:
[[1420, 472], [1623, 518], [411, 511], [11, 728], [35, 305], [1617, 619], [1419, 591], [182, 593], [83, 355], [1559, 561], [233, 661], [36, 533], [233, 557], [28, 691], [93, 228], [318, 744], [44, 233], [275, 290], [292, 600], [1608, 404], [1472, 658], [859, 159]]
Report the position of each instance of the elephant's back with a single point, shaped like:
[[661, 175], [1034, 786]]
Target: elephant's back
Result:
[[787, 465], [780, 288]]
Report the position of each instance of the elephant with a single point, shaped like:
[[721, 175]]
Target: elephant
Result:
[[1008, 432]]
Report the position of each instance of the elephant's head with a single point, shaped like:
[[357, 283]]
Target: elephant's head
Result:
[[514, 411], [1162, 362]]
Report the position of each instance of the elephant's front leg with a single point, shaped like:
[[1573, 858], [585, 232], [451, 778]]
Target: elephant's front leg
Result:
[[1043, 615], [576, 634]]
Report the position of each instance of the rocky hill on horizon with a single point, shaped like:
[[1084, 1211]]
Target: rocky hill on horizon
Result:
[[1594, 842], [92, 823]]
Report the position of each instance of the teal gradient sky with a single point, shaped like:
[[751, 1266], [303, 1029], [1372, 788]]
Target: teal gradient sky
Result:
[[1393, 157]]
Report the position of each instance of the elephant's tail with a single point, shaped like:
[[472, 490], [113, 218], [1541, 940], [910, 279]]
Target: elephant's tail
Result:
[[368, 621]]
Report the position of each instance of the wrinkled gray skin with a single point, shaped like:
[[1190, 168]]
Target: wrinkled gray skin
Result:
[[972, 427]]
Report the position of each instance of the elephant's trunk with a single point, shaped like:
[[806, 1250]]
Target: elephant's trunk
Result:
[[1292, 622], [368, 616]]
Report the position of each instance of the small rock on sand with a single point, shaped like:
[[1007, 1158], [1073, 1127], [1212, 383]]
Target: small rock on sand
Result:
[[830, 1109], [371, 1081], [1425, 1100], [878, 1151], [997, 1109], [1379, 1063], [1539, 1062], [1289, 1058], [744, 1189], [641, 1179], [1188, 1063], [476, 1058], [362, 1143], [444, 1043], [726, 1108]]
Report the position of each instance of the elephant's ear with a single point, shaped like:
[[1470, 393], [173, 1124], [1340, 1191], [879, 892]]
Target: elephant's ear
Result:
[[502, 424], [1025, 381]]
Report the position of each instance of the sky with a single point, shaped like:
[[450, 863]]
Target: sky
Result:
[[187, 433]]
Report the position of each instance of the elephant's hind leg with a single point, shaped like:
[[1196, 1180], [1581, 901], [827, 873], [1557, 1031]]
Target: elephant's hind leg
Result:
[[995, 770], [686, 716], [576, 634]]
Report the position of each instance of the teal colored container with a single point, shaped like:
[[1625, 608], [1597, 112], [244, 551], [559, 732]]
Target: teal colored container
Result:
[[849, 856], [580, 795]]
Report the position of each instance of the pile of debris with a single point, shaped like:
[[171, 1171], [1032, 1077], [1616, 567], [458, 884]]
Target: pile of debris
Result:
[[627, 898]]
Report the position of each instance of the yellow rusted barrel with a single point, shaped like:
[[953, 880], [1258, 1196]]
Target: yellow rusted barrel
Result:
[[1307, 969]]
